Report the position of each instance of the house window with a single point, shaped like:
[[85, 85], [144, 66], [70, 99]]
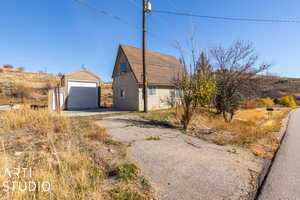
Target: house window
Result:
[[123, 67], [178, 93], [151, 91], [122, 93]]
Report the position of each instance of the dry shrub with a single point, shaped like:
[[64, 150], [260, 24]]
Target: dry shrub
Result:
[[288, 101], [252, 129], [36, 121], [8, 66], [266, 101], [97, 133], [21, 69]]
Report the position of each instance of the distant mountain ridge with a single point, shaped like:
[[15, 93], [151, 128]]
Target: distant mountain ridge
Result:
[[275, 86]]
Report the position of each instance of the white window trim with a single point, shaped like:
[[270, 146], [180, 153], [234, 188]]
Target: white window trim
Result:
[[177, 93], [122, 97], [155, 89]]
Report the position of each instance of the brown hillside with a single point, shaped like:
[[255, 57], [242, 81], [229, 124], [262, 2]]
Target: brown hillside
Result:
[[18, 86], [106, 95], [274, 86]]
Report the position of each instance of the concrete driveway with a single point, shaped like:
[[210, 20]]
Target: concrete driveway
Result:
[[283, 181], [90, 112], [8, 107], [5, 107], [181, 167]]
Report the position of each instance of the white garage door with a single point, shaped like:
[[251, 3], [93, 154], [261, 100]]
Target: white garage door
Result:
[[82, 95]]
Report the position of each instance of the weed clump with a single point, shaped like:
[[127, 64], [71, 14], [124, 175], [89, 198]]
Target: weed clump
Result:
[[153, 138], [125, 194], [127, 171], [112, 142]]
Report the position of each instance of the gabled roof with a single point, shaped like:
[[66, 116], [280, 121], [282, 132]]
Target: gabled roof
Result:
[[161, 69], [85, 71]]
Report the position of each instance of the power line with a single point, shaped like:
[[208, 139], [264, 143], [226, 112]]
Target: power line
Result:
[[159, 18], [172, 4], [105, 13], [227, 18], [175, 8], [119, 19], [134, 3]]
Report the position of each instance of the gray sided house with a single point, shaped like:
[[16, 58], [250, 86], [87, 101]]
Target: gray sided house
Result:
[[78, 90], [162, 70]]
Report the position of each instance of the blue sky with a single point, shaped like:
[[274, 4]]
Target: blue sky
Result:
[[61, 36]]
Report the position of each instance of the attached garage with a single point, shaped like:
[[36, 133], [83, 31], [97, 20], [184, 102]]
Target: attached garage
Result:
[[80, 90]]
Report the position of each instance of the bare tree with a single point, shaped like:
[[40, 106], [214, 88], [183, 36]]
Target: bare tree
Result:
[[60, 74], [196, 83], [21, 69], [8, 66], [20, 92], [236, 68], [47, 86]]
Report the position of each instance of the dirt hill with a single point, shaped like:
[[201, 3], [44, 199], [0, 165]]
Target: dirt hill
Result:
[[18, 86], [107, 95], [274, 86]]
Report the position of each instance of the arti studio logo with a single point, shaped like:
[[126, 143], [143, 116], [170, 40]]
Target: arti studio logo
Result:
[[21, 179]]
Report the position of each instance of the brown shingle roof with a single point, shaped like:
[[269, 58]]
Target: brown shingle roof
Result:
[[85, 71], [162, 69]]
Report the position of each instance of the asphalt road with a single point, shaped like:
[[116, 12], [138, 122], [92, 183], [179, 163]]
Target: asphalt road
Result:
[[283, 181], [181, 167]]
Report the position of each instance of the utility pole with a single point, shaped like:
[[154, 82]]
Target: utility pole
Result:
[[146, 10]]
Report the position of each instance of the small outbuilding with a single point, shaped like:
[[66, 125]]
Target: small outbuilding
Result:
[[78, 90]]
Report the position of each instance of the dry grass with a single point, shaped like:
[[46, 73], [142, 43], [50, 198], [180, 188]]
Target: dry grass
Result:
[[4, 100], [96, 134], [41, 122], [71, 175], [257, 121], [253, 129], [71, 154], [106, 95]]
